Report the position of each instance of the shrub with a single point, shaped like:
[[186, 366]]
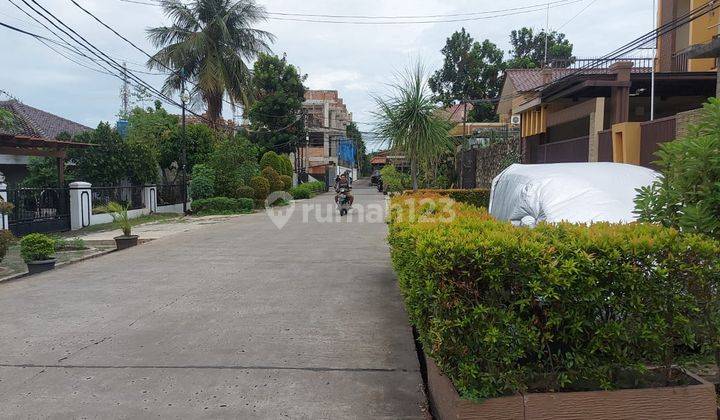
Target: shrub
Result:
[[505, 309], [394, 181], [202, 184], [280, 163], [316, 186], [260, 186], [234, 160], [276, 183], [476, 197], [245, 192], [74, 244], [37, 247], [6, 239], [287, 182], [222, 205], [5, 207], [687, 196], [301, 192], [286, 166], [119, 213]]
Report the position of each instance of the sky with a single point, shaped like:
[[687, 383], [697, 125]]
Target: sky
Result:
[[360, 61]]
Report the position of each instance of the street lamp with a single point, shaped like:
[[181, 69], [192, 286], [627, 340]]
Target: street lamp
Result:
[[184, 98]]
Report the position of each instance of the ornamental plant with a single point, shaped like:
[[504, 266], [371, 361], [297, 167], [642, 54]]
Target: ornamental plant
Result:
[[505, 310], [6, 239], [260, 186], [119, 213], [687, 196], [37, 247]]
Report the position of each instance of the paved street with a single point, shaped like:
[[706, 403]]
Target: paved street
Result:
[[235, 320]]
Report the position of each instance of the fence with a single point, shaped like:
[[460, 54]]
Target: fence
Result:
[[572, 150], [652, 134], [131, 196], [47, 210]]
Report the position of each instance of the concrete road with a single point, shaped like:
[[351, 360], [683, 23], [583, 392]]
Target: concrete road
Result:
[[236, 320]]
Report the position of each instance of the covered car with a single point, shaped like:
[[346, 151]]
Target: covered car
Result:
[[573, 192]]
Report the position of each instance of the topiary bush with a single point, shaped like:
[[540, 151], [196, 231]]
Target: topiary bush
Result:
[[274, 179], [270, 160], [6, 239], [222, 205], [287, 182], [37, 247], [202, 183], [506, 310], [260, 186], [286, 166], [245, 192]]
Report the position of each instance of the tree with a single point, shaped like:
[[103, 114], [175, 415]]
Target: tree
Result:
[[199, 141], [687, 196], [409, 121], [235, 162], [276, 115], [471, 71], [209, 42], [352, 132], [529, 49], [104, 164], [7, 119]]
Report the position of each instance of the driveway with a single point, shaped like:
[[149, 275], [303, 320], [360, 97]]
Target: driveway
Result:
[[238, 319]]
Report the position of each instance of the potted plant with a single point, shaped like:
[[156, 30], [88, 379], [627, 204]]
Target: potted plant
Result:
[[38, 252], [119, 214]]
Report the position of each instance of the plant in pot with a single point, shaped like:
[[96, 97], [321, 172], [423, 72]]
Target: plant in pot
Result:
[[119, 214], [38, 252]]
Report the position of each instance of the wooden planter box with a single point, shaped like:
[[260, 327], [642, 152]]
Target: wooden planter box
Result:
[[695, 402]]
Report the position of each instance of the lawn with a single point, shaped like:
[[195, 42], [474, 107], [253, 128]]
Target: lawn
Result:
[[150, 218]]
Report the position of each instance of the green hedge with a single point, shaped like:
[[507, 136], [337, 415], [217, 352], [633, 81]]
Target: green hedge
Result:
[[504, 309], [307, 190], [476, 197], [222, 205], [37, 247]]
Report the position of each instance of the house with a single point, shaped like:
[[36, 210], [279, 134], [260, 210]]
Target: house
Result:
[[388, 157], [33, 133], [589, 111], [326, 124]]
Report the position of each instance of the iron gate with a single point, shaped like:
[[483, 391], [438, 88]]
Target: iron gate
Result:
[[39, 210]]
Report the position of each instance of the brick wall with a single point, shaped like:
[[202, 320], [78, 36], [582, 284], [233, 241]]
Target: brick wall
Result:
[[493, 159], [685, 119]]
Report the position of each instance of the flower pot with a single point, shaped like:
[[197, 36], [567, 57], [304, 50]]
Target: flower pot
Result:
[[124, 242], [695, 401], [35, 267]]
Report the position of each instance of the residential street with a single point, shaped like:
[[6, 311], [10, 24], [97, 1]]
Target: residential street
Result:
[[235, 320]]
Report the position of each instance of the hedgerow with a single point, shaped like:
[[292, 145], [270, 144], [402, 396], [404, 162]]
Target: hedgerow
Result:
[[504, 309], [477, 197]]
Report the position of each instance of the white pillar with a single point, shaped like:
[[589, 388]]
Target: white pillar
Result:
[[80, 205], [150, 198], [5, 222]]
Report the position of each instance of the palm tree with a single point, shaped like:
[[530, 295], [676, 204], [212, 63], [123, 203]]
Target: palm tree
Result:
[[408, 120], [209, 43]]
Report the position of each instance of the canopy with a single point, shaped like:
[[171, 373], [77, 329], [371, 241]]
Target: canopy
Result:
[[571, 192]]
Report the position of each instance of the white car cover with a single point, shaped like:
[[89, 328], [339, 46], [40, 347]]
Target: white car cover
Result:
[[571, 192]]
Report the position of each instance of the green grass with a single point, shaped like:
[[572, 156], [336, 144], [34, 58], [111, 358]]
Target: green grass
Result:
[[151, 218], [14, 264]]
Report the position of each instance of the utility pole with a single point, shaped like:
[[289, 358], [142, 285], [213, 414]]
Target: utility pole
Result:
[[547, 30], [652, 70], [184, 98]]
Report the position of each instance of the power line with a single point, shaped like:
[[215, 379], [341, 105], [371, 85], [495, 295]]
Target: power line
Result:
[[576, 16]]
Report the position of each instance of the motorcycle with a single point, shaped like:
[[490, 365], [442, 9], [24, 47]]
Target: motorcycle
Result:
[[379, 184], [343, 201]]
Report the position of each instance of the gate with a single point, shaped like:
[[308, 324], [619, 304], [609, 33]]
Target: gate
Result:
[[39, 210], [468, 169]]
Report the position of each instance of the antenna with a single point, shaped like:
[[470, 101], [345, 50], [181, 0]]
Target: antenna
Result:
[[125, 92]]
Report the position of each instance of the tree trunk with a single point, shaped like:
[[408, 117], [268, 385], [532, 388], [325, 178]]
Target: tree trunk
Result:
[[414, 171], [214, 110]]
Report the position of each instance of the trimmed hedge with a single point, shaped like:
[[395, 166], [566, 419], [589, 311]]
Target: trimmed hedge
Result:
[[476, 197], [222, 205], [37, 247], [307, 190], [505, 309], [260, 186]]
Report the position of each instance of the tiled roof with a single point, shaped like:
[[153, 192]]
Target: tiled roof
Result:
[[526, 80], [33, 122]]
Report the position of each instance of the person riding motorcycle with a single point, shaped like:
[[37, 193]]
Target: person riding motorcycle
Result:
[[343, 183]]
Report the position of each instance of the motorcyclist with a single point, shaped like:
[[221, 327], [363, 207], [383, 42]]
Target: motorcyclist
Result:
[[343, 183]]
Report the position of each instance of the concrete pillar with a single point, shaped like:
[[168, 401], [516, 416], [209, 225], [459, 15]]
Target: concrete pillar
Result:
[[80, 205], [5, 222], [620, 95], [150, 197], [597, 121]]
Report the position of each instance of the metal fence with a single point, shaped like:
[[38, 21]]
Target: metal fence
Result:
[[131, 196], [40, 210], [168, 195]]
